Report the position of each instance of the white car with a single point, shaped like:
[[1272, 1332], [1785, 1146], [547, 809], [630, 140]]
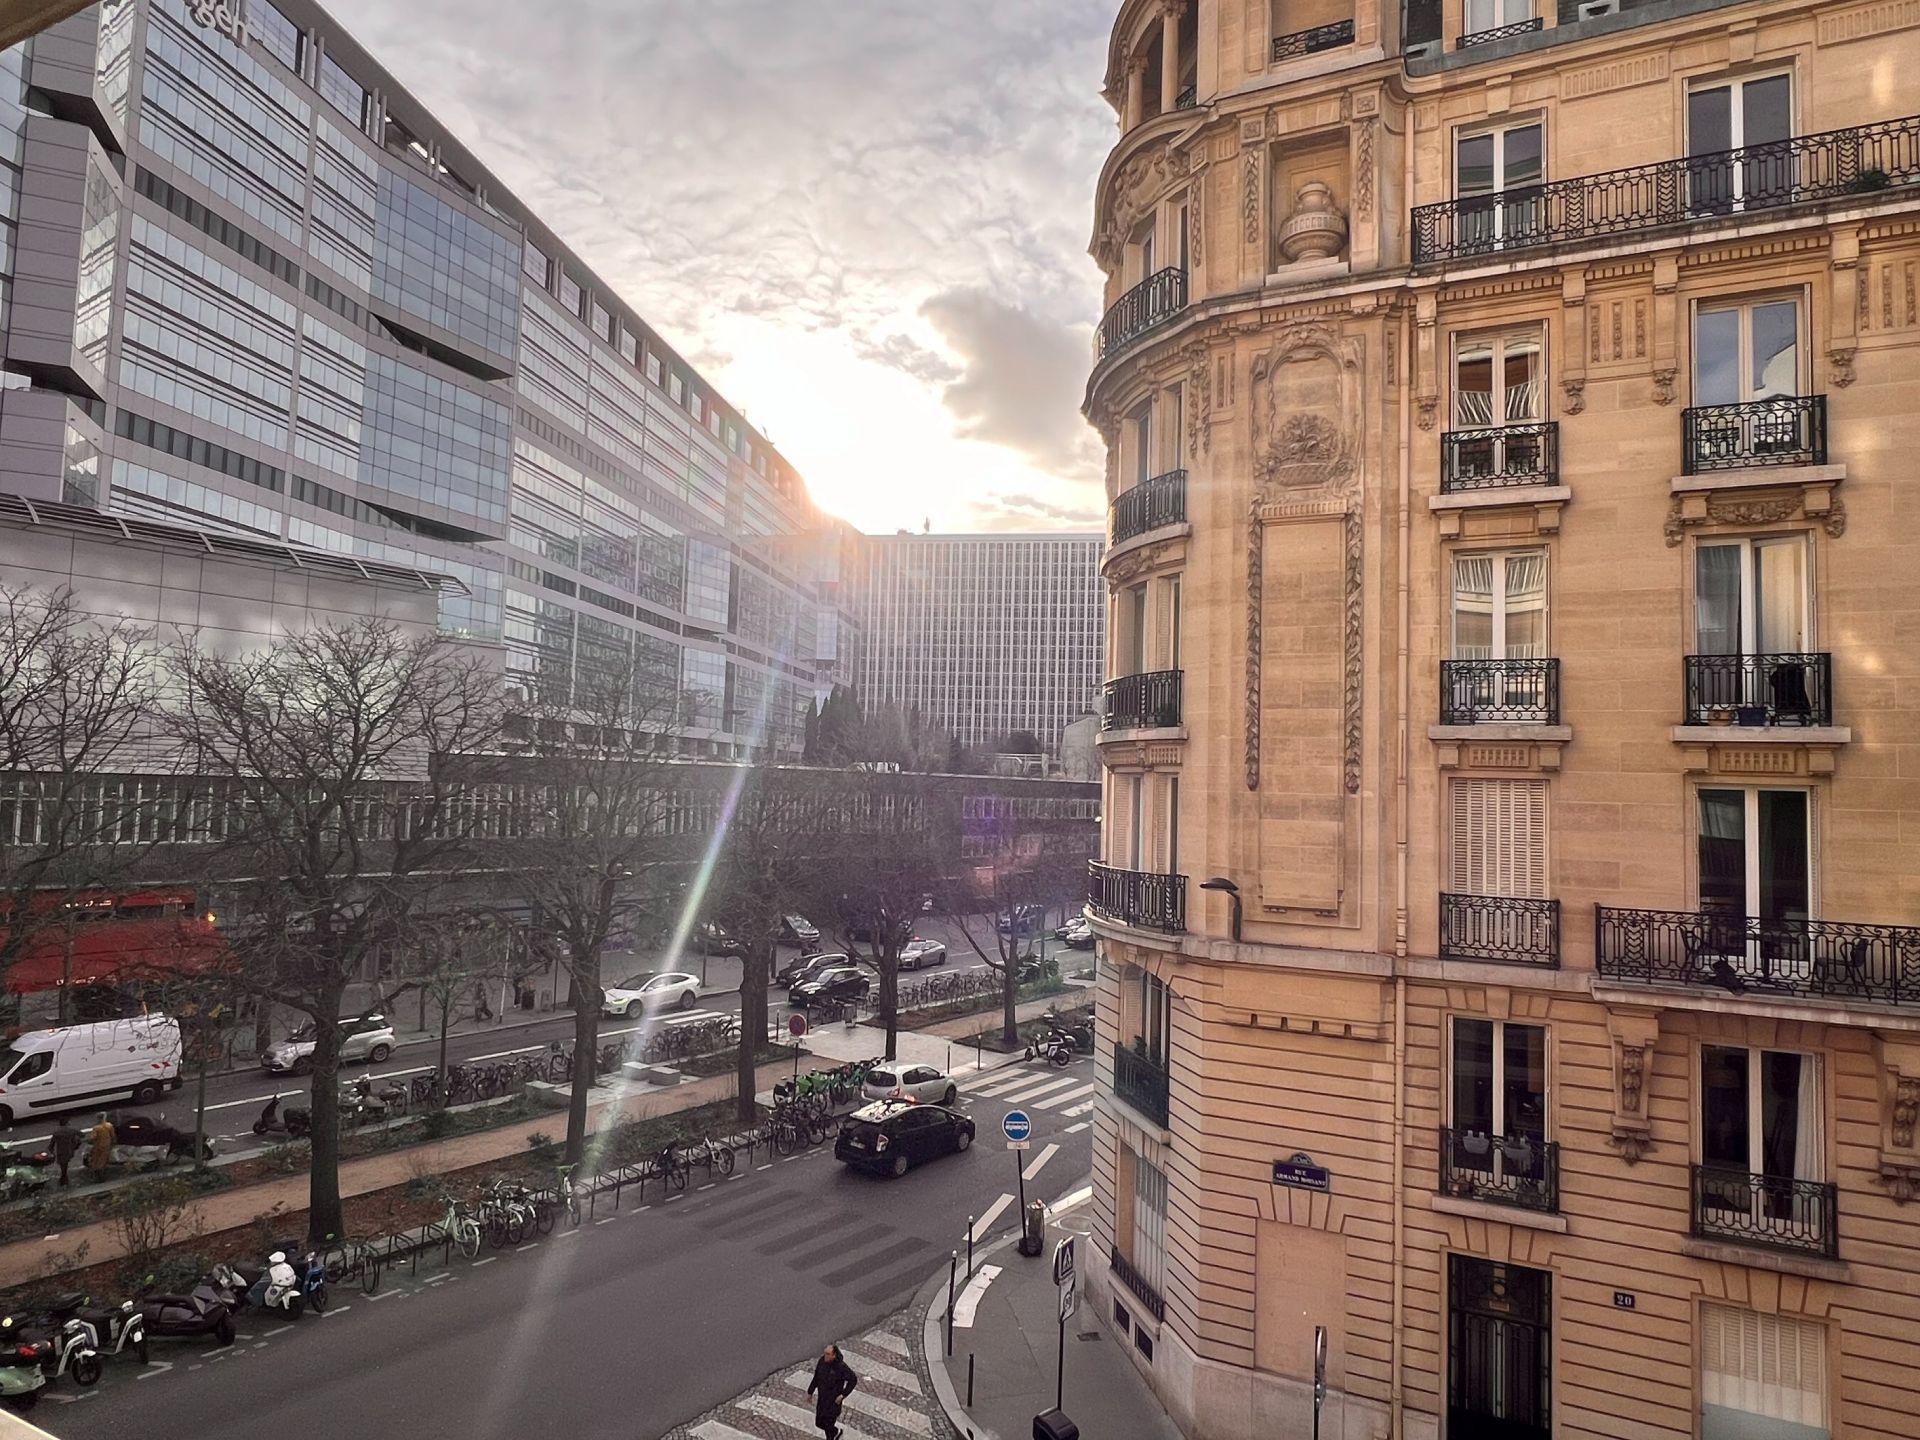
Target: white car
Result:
[[917, 952], [369, 1037], [651, 990], [921, 1084]]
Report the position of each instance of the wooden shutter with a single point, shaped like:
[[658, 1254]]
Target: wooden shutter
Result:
[[1766, 1365], [1497, 838]]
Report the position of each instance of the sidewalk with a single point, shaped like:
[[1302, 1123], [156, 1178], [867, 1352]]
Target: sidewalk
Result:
[[1006, 1332]]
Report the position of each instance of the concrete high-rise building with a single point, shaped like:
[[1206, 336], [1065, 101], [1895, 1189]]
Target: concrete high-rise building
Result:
[[1510, 916], [985, 636], [249, 284]]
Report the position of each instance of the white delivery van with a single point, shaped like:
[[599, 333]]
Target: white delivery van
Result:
[[83, 1066]]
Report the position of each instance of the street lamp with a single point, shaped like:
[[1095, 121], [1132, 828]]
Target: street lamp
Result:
[[1232, 892]]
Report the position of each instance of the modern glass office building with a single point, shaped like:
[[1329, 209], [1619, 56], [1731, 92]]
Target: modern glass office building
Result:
[[247, 282]]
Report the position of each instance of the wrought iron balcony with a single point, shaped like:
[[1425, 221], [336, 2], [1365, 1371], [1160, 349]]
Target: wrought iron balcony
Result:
[[1138, 899], [1499, 456], [1776, 1212], [1140, 1081], [1494, 692], [1517, 1170], [1744, 954], [1501, 929], [1312, 42], [1499, 32], [1860, 160], [1143, 702], [1149, 505], [1781, 430], [1187, 99], [1154, 301], [1760, 689], [1136, 1283]]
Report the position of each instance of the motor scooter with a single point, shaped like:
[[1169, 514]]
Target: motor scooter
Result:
[[295, 1124], [368, 1104], [73, 1354], [279, 1287], [21, 1376], [115, 1328], [203, 1311], [1055, 1047]]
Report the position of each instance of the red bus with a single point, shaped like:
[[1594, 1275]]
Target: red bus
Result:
[[107, 938]]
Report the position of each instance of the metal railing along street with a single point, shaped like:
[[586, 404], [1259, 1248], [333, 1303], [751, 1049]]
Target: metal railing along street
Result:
[[1742, 954], [1498, 456], [1780, 430]]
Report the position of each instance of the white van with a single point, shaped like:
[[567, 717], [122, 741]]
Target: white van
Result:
[[89, 1065]]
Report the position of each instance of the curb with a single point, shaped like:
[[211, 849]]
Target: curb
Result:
[[932, 1341]]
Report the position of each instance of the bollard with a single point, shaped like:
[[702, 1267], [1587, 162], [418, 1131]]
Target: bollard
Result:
[[969, 1379], [969, 1247], [953, 1265]]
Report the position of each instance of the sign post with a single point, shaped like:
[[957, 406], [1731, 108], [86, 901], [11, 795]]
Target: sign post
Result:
[[1319, 1375], [1065, 1277], [1018, 1129], [796, 1027]]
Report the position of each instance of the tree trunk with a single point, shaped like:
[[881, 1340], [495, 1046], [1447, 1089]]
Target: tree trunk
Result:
[[262, 1026], [446, 1021], [586, 1041], [890, 1000], [754, 965], [325, 1216], [1010, 991], [200, 1102]]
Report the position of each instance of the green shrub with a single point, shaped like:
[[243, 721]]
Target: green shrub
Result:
[[439, 1124], [539, 1141]]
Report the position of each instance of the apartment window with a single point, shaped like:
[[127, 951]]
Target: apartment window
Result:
[[1155, 1034], [602, 321], [571, 294], [1751, 597], [1759, 1119], [629, 347], [1497, 838], [1500, 608], [1756, 854], [653, 367], [1173, 825], [676, 389], [1499, 379], [1492, 14], [536, 265], [1150, 1223], [1142, 423], [1505, 166], [1136, 835], [1749, 350], [1134, 610], [1177, 427], [1173, 623], [1761, 1375], [1143, 247], [1498, 1085], [1739, 115]]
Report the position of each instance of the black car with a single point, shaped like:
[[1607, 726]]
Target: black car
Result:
[[710, 939], [805, 967], [833, 986], [1021, 920], [892, 1135]]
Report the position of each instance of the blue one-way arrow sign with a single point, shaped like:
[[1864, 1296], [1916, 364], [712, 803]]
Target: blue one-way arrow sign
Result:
[[1018, 1129]]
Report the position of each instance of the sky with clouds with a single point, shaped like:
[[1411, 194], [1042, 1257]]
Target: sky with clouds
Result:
[[865, 220]]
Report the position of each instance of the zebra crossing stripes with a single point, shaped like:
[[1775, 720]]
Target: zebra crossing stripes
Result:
[[1036, 1085], [1080, 1109], [691, 1017], [1010, 1079], [1065, 1097]]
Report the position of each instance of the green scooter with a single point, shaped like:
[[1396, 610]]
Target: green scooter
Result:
[[22, 1377]]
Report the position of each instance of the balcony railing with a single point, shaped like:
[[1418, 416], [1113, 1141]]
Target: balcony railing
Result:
[[1500, 929], [1516, 1170], [1312, 42], [1187, 99], [1493, 692], [1138, 899], [1137, 1286], [1860, 160], [1149, 505], [1760, 689], [1494, 458], [1141, 1082], [1776, 1212], [1154, 301], [1143, 702], [1499, 32], [1744, 954], [1781, 430]]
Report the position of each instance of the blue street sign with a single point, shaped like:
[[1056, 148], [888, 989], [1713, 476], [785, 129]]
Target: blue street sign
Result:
[[1017, 1127], [1302, 1174]]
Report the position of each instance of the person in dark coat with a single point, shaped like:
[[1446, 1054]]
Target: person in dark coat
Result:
[[66, 1145], [833, 1381]]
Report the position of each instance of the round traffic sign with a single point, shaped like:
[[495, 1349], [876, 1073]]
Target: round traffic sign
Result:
[[796, 1024], [1016, 1126]]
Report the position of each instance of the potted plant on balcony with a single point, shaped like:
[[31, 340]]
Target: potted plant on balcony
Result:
[[1475, 1145], [1750, 714], [1720, 715], [1517, 1152], [1868, 181]]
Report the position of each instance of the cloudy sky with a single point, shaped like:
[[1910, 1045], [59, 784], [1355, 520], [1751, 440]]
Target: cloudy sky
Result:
[[865, 220]]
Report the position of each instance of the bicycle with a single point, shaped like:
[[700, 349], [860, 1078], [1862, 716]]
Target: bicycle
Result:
[[460, 1230], [713, 1157]]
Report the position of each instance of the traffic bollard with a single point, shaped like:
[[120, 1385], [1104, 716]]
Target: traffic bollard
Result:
[[953, 1265], [969, 1380], [969, 1247]]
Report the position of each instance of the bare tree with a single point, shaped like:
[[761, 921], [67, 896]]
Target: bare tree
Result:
[[598, 766], [77, 695], [350, 754], [456, 957], [1019, 885]]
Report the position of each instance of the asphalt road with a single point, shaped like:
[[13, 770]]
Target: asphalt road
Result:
[[234, 1101], [629, 1325]]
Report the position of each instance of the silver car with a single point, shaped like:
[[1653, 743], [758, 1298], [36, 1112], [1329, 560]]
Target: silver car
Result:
[[921, 1084], [368, 1038], [917, 952]]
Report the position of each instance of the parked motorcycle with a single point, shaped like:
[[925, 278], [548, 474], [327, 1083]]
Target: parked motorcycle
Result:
[[115, 1328], [296, 1124], [283, 1287], [1055, 1047], [361, 1103], [203, 1311], [21, 1376], [145, 1132], [73, 1353]]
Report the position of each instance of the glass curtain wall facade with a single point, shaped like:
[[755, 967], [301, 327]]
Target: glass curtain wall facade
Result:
[[305, 313]]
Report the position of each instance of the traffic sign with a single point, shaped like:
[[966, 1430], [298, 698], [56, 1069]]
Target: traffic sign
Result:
[[796, 1024], [1063, 1262], [1018, 1129]]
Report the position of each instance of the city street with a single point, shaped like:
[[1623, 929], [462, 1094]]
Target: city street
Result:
[[629, 1325]]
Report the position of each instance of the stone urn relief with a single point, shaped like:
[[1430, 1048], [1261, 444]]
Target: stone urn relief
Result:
[[1316, 230]]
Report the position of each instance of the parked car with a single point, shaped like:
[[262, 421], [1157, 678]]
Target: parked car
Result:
[[651, 990], [891, 1136], [917, 952], [47, 1070], [921, 1084], [798, 930], [1021, 920], [1031, 969], [833, 986], [709, 939], [1076, 934], [805, 967], [368, 1038]]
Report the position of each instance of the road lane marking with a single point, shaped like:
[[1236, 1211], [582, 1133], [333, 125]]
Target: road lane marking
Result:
[[719, 1430], [281, 1331], [1076, 1129], [985, 1222], [1025, 1094], [970, 1297], [793, 1415], [488, 1261], [886, 1411], [1056, 1100], [1082, 1108], [153, 1368], [530, 1245], [1039, 1160]]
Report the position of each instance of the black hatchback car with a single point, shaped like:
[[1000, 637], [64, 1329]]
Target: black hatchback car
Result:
[[836, 985], [892, 1135]]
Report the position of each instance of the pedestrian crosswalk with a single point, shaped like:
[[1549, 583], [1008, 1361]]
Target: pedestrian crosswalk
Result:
[[891, 1402], [1037, 1090]]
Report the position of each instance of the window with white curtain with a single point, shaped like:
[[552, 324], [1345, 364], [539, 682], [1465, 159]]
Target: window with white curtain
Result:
[[1500, 606], [1759, 1118], [1751, 597], [1497, 838], [1497, 379], [1762, 1377]]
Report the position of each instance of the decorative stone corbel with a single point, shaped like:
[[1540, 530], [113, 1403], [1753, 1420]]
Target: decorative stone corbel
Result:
[[1634, 1032], [1899, 1058], [1666, 307], [1426, 384], [1840, 368], [1843, 313], [1573, 302]]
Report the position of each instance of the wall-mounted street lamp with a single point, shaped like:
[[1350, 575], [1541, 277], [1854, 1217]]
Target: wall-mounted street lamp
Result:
[[1232, 892]]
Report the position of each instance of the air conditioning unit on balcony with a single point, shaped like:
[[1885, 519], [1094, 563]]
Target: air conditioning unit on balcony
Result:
[[1423, 50], [1594, 9]]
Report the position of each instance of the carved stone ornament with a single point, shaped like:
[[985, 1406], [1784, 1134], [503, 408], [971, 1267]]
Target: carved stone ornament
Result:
[[1633, 1078], [1576, 393], [1633, 1145], [1763, 510], [1663, 386], [1316, 230], [1198, 399], [1197, 215], [1840, 364], [1363, 170], [1429, 411], [1902, 1181], [1634, 1033], [1128, 568], [1906, 1109], [1250, 201], [1135, 190]]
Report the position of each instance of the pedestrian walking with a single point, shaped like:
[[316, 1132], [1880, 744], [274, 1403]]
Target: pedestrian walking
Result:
[[66, 1145], [833, 1381], [100, 1147], [482, 1011]]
